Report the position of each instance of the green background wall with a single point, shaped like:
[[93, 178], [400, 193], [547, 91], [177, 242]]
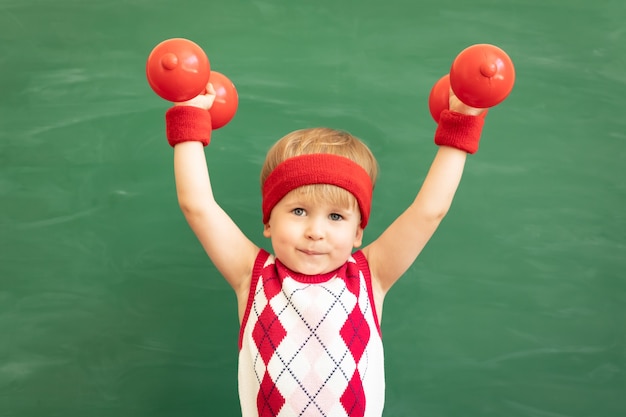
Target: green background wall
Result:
[[108, 306]]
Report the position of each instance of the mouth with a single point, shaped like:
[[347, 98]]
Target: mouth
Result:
[[310, 252]]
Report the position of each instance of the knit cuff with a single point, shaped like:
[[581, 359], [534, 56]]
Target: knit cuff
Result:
[[459, 131], [186, 124]]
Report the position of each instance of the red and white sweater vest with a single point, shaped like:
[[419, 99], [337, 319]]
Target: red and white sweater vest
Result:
[[311, 345]]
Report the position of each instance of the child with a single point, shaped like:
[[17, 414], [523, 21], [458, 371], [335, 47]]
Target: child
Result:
[[310, 341]]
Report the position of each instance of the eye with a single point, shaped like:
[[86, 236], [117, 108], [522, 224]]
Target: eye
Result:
[[335, 217], [298, 211]]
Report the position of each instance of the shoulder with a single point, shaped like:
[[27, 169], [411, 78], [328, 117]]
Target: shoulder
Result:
[[263, 258], [376, 292], [360, 260]]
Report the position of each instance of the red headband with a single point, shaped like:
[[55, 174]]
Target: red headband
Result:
[[318, 168]]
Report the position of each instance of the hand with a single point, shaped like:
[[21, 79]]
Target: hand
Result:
[[458, 106], [203, 101]]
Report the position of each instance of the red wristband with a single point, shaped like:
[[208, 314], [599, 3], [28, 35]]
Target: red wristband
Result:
[[459, 131], [187, 124]]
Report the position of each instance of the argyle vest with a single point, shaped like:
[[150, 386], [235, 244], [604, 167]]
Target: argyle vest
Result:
[[311, 345]]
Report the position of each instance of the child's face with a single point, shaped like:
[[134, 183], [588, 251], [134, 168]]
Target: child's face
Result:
[[313, 238]]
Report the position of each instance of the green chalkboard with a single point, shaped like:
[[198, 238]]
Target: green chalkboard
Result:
[[109, 307]]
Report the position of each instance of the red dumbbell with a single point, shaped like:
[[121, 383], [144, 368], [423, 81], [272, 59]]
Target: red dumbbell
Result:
[[226, 100], [439, 98], [178, 70], [481, 76]]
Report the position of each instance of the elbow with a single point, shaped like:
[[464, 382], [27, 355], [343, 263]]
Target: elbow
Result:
[[431, 210], [191, 208], [433, 215], [440, 214], [436, 218]]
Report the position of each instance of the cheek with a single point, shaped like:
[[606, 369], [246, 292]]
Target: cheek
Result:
[[348, 237], [281, 233]]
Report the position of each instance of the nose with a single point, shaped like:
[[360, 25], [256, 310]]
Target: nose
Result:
[[314, 229]]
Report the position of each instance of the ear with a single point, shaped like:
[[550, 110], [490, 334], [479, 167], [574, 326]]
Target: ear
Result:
[[266, 230], [358, 238]]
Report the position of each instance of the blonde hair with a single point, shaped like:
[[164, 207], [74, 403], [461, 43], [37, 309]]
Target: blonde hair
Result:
[[322, 140]]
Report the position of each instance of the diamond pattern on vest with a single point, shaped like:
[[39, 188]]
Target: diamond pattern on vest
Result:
[[310, 340]]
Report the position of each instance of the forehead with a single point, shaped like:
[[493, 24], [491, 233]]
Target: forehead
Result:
[[322, 194]]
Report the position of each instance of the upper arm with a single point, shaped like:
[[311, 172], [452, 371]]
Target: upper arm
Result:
[[229, 249], [399, 245], [231, 252]]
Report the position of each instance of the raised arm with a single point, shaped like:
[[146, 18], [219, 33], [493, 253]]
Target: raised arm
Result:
[[397, 248], [229, 249]]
